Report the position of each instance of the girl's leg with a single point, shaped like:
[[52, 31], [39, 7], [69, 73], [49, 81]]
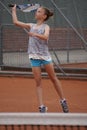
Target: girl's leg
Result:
[[37, 75], [50, 70]]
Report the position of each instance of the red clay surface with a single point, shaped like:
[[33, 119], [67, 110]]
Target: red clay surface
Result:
[[19, 95]]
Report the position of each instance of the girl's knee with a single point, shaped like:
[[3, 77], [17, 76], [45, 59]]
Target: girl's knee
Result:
[[53, 79]]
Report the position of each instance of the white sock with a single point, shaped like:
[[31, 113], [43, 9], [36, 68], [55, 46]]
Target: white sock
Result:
[[42, 106], [62, 100]]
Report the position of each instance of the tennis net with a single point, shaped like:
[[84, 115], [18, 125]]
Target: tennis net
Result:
[[47, 121]]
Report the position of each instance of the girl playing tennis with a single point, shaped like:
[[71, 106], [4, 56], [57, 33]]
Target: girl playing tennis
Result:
[[39, 54]]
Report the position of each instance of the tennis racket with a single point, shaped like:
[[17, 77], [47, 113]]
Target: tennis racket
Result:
[[26, 7]]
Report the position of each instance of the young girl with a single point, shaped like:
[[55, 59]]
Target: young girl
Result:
[[39, 54]]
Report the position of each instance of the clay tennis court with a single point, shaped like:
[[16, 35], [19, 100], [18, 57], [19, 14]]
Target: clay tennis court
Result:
[[18, 94]]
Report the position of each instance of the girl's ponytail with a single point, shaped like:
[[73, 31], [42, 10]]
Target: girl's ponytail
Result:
[[48, 12]]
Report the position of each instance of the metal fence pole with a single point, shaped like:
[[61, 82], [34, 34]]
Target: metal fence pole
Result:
[[1, 49], [1, 52], [68, 37]]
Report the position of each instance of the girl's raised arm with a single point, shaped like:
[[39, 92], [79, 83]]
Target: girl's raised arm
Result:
[[17, 22]]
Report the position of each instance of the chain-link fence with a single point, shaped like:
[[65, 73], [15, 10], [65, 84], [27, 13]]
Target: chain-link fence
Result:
[[68, 35]]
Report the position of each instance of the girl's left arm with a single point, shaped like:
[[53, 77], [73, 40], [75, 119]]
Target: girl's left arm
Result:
[[44, 36]]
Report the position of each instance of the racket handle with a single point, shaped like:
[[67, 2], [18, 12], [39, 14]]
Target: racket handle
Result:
[[11, 5]]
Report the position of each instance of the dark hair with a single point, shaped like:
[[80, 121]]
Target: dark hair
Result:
[[48, 12]]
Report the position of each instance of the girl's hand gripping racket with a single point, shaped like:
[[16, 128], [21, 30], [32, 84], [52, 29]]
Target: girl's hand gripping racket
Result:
[[26, 7]]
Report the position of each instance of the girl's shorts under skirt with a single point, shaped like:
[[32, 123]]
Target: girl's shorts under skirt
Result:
[[39, 62]]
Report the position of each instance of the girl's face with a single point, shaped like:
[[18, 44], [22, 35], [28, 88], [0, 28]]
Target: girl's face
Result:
[[40, 14]]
